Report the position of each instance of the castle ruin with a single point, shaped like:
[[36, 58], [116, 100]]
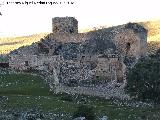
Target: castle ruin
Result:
[[78, 59]]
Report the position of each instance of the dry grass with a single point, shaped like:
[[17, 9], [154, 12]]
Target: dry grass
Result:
[[9, 44], [152, 47], [152, 26]]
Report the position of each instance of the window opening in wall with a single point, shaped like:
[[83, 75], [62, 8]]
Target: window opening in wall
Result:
[[83, 56], [110, 68], [128, 45], [71, 30], [97, 77], [26, 63]]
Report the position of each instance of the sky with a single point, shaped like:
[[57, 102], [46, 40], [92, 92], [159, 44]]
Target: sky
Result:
[[18, 20]]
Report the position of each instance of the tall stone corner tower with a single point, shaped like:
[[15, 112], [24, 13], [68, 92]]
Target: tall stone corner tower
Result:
[[132, 40], [68, 25]]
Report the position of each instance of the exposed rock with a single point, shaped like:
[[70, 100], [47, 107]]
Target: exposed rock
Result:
[[74, 73], [104, 118], [70, 51], [79, 118], [31, 114]]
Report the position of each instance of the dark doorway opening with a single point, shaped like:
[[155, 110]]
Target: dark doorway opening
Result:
[[26, 63], [4, 65], [128, 46], [71, 30]]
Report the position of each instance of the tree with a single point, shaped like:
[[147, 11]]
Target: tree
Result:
[[143, 81]]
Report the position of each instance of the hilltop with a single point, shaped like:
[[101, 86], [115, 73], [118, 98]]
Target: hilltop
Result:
[[11, 43]]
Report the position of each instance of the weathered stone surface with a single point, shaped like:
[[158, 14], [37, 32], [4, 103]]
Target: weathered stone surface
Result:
[[67, 25], [77, 58], [74, 73], [70, 51], [97, 45], [104, 118]]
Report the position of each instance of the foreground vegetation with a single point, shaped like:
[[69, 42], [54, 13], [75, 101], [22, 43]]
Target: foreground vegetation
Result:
[[25, 91], [144, 79]]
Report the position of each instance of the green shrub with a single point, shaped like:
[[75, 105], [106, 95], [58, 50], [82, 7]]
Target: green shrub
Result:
[[66, 97], [143, 81], [85, 111]]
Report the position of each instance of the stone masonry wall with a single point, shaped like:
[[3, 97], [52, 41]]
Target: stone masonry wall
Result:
[[128, 41], [67, 25]]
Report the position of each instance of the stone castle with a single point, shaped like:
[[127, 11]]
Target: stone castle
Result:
[[78, 59]]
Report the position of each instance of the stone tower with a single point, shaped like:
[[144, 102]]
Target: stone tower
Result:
[[131, 40], [68, 25]]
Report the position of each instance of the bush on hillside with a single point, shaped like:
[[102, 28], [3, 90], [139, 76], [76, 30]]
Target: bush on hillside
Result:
[[144, 79], [84, 111]]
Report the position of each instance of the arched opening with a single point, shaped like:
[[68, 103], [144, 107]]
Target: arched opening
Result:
[[128, 46], [26, 63], [71, 30]]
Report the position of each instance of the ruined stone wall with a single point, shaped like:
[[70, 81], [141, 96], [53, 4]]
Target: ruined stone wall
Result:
[[39, 62], [22, 62], [143, 43], [109, 68], [107, 92], [74, 73], [65, 38], [128, 43], [130, 40], [103, 67]]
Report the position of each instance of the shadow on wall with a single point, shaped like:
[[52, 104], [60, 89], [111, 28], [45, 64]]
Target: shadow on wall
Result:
[[4, 65]]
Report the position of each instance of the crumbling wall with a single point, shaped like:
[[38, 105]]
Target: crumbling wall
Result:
[[131, 40], [109, 67], [74, 57], [128, 43], [74, 73], [39, 62], [22, 62]]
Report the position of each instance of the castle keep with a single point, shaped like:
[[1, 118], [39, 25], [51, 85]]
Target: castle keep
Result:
[[68, 25], [77, 59]]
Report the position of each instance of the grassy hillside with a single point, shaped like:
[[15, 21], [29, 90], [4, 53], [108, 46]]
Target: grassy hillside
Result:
[[153, 46], [25, 91], [9, 44], [23, 84], [153, 26], [153, 30]]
